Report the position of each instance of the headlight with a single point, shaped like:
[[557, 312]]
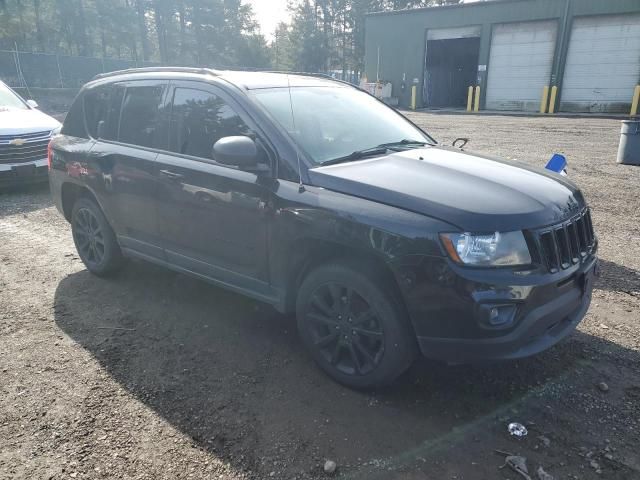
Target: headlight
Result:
[[498, 249], [56, 131]]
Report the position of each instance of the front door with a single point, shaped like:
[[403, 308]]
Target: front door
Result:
[[213, 218]]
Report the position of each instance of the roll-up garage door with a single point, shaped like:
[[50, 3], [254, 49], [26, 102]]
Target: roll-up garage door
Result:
[[520, 63], [603, 64], [451, 65]]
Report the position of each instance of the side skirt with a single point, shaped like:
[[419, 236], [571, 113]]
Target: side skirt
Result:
[[273, 297]]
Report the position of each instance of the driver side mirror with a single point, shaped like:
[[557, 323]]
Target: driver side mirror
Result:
[[238, 151], [32, 103]]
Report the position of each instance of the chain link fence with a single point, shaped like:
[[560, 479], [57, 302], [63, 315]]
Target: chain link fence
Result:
[[47, 70]]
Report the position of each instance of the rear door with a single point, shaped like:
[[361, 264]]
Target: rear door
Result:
[[126, 148], [213, 218]]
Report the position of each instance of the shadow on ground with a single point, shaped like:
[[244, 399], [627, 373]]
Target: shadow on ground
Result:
[[231, 374], [24, 199], [618, 278]]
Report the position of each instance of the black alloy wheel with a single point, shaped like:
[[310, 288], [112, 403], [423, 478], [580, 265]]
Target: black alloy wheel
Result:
[[94, 238], [89, 237], [345, 329], [354, 324]]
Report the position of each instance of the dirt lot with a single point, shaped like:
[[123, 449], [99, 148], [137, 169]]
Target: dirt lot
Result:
[[155, 375]]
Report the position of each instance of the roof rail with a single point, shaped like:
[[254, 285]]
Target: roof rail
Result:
[[207, 71], [326, 76]]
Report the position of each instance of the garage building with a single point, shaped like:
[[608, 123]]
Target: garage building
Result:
[[512, 50]]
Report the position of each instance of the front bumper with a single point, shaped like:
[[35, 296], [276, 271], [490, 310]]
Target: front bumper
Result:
[[13, 174], [448, 319]]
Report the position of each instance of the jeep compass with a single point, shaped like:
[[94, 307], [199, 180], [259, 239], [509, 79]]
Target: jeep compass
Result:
[[313, 196]]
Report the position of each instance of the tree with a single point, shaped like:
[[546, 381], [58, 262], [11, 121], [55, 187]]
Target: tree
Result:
[[141, 21], [308, 38], [282, 52], [185, 32], [328, 35]]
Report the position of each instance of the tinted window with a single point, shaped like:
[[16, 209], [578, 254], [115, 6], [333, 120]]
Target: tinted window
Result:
[[74, 121], [96, 106], [199, 119], [140, 118], [113, 112], [103, 104]]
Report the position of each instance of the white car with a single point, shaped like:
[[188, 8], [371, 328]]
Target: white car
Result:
[[24, 136]]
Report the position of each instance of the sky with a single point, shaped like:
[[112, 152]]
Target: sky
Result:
[[269, 13]]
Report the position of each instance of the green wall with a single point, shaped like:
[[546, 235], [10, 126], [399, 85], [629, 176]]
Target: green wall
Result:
[[401, 36]]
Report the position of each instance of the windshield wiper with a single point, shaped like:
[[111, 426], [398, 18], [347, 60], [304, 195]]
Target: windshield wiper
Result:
[[404, 143], [357, 155], [373, 151]]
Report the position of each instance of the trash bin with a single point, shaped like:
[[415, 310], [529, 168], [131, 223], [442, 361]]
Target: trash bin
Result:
[[629, 150]]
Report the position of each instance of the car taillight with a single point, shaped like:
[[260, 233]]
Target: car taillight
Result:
[[49, 153]]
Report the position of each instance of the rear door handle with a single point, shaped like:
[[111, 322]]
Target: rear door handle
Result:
[[172, 175]]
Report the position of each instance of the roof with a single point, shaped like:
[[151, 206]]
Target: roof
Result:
[[245, 79], [442, 7], [256, 80]]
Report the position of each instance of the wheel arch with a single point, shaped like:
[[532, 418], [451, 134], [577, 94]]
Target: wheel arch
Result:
[[70, 193], [309, 254]]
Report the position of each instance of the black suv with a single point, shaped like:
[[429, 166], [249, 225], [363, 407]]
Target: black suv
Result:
[[313, 196]]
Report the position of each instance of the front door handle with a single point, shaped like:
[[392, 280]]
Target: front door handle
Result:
[[171, 175]]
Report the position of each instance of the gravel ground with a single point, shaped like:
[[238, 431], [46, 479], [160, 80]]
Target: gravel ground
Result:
[[156, 375]]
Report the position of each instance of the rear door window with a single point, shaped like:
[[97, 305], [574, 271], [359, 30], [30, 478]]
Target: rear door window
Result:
[[102, 104], [199, 119], [141, 117]]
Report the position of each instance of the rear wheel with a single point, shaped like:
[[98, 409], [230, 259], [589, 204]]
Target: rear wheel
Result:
[[354, 327], [94, 238]]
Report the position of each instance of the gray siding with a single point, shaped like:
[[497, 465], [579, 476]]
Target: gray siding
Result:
[[401, 36]]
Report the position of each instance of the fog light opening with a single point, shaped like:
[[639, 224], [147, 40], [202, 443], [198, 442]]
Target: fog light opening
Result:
[[497, 316]]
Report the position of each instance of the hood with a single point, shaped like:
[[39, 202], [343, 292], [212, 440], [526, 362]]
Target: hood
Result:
[[14, 121], [471, 192]]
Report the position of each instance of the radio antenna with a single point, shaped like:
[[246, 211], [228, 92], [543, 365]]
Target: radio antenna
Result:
[[293, 122]]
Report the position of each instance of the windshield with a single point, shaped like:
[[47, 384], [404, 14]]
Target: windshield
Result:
[[334, 122], [8, 99]]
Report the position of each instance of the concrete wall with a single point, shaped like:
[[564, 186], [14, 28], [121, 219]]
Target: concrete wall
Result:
[[400, 37]]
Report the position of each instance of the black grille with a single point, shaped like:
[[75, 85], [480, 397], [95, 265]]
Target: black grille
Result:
[[568, 243], [30, 147]]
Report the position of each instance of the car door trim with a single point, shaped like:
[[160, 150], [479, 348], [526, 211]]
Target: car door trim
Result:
[[233, 281]]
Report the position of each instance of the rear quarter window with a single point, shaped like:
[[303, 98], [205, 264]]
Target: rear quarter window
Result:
[[96, 107], [74, 122]]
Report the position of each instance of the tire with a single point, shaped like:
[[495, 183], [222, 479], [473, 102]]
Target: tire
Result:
[[94, 238], [354, 326]]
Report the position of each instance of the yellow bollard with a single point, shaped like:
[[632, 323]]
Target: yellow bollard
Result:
[[476, 103], [552, 102], [470, 99], [545, 99], [414, 91], [635, 101]]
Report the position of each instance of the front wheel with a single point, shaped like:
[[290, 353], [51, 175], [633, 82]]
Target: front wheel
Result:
[[354, 327]]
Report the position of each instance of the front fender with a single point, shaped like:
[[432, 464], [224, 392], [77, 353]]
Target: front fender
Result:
[[338, 225]]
